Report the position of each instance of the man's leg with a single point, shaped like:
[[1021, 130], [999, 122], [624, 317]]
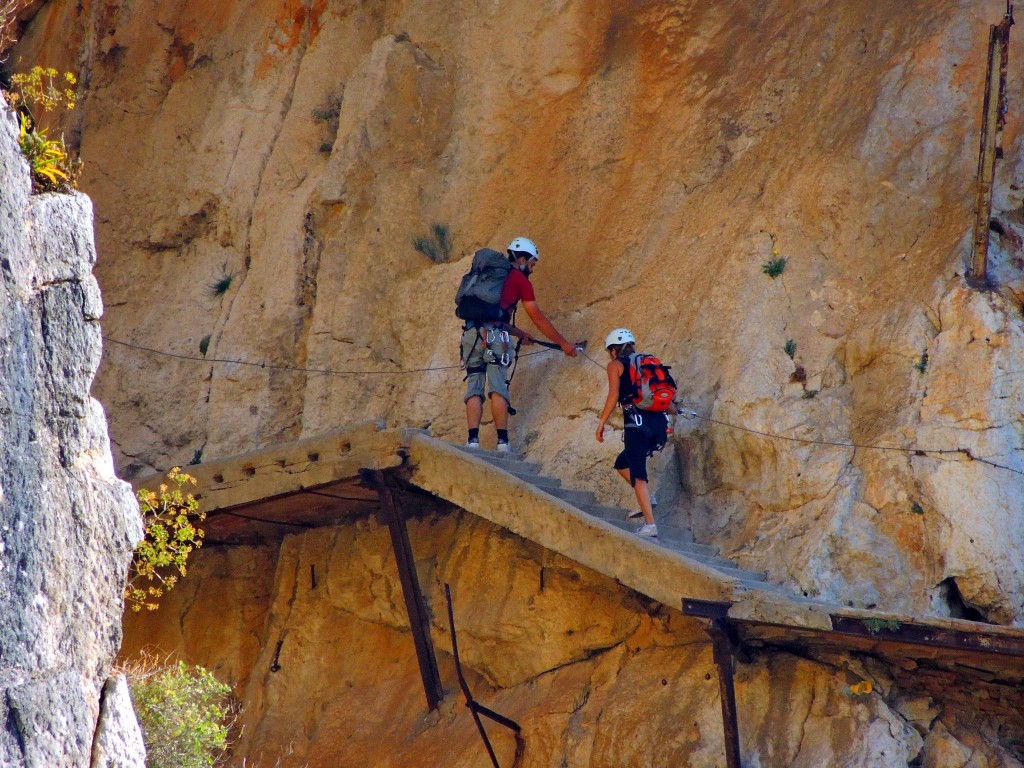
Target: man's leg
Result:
[[499, 411], [473, 356], [474, 412], [497, 385]]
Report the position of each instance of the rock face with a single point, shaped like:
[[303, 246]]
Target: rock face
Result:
[[259, 180], [67, 524], [118, 741], [312, 632]]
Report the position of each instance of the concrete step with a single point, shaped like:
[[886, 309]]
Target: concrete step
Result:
[[756, 578], [574, 497], [483, 453], [669, 538], [720, 563], [779, 588], [681, 536], [666, 535], [540, 481], [510, 465]]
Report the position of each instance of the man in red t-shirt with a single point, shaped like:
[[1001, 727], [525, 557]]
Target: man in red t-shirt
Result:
[[487, 348]]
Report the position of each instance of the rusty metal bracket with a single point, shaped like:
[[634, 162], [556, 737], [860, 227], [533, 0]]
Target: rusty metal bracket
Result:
[[419, 619], [475, 707], [723, 646], [993, 121], [724, 642]]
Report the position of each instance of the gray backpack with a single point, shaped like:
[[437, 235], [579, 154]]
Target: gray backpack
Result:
[[479, 294]]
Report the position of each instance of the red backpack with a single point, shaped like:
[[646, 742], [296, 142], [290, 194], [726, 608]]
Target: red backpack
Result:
[[653, 388]]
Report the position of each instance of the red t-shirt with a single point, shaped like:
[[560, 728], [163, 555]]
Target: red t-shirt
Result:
[[517, 288]]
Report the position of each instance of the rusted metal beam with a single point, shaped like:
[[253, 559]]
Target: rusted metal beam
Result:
[[932, 637], [475, 707], [905, 633], [723, 645], [419, 621], [993, 120]]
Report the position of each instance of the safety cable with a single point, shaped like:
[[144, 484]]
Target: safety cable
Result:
[[295, 368], [966, 453]]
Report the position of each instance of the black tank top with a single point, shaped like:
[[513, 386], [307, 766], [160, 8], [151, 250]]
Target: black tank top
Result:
[[626, 388]]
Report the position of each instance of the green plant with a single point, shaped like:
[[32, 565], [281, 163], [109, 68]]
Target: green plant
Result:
[[204, 345], [875, 626], [197, 457], [43, 89], [917, 509], [46, 157], [774, 267], [443, 238], [329, 111], [169, 518], [37, 91], [810, 394], [922, 364], [185, 713], [221, 286], [790, 348], [437, 246]]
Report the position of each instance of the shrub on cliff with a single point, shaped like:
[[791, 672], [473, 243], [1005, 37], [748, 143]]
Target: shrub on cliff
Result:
[[42, 90], [169, 517], [184, 712]]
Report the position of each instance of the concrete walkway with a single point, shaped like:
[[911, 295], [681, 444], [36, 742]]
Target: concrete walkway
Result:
[[317, 481]]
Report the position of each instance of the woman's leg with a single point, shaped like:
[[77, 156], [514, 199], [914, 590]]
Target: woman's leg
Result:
[[632, 462], [643, 496]]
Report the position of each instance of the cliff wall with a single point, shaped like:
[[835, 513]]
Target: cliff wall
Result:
[[312, 630], [67, 524], [660, 154]]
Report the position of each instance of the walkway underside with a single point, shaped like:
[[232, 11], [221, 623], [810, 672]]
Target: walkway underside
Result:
[[324, 480]]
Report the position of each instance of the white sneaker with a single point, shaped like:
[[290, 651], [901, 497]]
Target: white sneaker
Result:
[[654, 500], [502, 447], [647, 530], [472, 443]]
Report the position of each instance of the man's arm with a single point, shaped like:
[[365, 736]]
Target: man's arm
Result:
[[547, 328]]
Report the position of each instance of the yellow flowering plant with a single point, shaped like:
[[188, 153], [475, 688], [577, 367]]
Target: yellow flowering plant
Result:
[[170, 516], [44, 89], [41, 90]]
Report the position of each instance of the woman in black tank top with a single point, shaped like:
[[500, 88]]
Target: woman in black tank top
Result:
[[644, 431]]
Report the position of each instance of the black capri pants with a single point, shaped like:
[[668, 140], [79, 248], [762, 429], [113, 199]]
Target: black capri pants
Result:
[[642, 440]]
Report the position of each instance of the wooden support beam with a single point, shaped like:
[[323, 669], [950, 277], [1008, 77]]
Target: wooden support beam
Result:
[[723, 644], [993, 120], [419, 621]]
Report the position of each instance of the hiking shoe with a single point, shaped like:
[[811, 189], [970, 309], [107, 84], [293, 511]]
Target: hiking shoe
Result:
[[503, 447], [647, 530], [654, 500], [472, 443], [636, 513]]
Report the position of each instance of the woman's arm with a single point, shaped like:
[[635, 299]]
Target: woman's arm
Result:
[[614, 373]]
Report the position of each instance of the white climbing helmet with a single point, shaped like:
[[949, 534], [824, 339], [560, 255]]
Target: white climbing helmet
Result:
[[619, 336], [524, 245]]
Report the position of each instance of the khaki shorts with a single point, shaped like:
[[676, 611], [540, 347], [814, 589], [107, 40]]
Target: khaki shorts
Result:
[[487, 346]]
